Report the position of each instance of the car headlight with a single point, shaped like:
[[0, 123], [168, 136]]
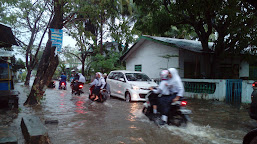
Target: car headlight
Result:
[[135, 87]]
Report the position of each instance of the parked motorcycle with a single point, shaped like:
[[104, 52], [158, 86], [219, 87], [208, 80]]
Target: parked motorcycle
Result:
[[62, 86], [51, 84], [76, 90], [253, 105], [178, 115]]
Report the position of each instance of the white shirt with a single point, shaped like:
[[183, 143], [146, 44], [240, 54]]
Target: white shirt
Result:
[[95, 82], [101, 82], [82, 78], [162, 89]]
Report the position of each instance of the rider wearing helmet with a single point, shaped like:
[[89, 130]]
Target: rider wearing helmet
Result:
[[162, 89], [62, 79], [100, 85], [175, 90]]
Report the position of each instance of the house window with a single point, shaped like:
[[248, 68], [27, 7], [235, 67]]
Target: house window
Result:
[[252, 72], [138, 67]]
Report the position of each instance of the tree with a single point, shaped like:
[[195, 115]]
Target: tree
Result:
[[83, 37], [49, 60], [101, 63], [17, 64], [31, 23], [233, 21], [94, 20]]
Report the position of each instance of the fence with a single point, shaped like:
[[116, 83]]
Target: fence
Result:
[[214, 89]]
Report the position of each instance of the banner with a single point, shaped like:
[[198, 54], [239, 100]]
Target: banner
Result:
[[56, 38]]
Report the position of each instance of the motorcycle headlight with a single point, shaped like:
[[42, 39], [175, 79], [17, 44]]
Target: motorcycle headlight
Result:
[[135, 87]]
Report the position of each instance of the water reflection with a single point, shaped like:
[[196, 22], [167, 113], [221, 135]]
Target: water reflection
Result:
[[62, 100], [80, 108], [134, 111]]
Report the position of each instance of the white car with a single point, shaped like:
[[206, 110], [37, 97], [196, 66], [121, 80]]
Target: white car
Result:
[[129, 85]]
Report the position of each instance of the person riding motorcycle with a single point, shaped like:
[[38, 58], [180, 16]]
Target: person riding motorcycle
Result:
[[100, 85], [92, 86], [176, 90], [78, 81], [107, 91], [63, 79], [162, 89]]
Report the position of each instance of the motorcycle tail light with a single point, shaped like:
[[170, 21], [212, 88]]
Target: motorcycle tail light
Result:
[[80, 86], [183, 103], [254, 84], [63, 83]]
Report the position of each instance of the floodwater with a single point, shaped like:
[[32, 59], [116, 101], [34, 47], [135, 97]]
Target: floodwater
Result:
[[117, 122]]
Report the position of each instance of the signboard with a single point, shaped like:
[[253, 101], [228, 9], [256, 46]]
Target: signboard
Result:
[[56, 38]]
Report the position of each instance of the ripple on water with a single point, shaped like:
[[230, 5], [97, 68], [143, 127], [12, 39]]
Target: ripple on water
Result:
[[205, 134]]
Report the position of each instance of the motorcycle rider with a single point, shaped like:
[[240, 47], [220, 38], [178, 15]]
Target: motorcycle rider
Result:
[[92, 86], [63, 79], [107, 91], [80, 80], [100, 85], [176, 90], [162, 89]]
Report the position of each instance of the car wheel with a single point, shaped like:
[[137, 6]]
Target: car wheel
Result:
[[127, 97]]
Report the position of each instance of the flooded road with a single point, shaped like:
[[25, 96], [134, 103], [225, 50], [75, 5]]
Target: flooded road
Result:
[[117, 122]]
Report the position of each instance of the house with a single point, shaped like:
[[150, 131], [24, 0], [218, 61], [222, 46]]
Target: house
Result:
[[151, 54]]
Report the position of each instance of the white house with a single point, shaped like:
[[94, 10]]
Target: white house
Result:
[[151, 54]]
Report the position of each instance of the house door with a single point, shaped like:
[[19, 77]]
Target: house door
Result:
[[233, 91]]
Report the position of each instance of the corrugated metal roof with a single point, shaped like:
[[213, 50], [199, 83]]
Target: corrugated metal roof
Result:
[[190, 45], [7, 38]]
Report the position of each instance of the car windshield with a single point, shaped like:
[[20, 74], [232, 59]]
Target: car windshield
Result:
[[137, 77]]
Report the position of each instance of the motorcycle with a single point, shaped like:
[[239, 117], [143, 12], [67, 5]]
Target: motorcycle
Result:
[[253, 105], [102, 95], [78, 90], [51, 84], [62, 86], [178, 115]]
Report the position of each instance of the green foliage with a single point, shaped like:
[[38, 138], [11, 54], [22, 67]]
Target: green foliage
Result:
[[23, 76], [106, 64], [234, 21], [17, 64]]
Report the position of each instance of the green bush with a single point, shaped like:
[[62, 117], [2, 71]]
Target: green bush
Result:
[[23, 76]]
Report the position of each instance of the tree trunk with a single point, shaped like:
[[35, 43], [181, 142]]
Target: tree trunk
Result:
[[216, 60], [47, 67], [83, 68], [48, 62], [28, 77]]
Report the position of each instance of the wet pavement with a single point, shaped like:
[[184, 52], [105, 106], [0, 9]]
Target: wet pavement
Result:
[[81, 121]]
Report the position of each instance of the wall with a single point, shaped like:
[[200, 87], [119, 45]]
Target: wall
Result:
[[149, 56], [247, 91], [244, 69], [219, 94]]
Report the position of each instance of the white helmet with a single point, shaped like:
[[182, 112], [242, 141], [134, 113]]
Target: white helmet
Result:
[[164, 74]]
